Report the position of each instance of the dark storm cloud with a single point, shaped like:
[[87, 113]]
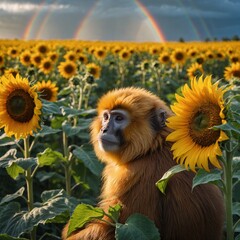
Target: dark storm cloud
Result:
[[190, 19]]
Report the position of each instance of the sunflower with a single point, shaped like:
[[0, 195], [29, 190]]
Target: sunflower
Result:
[[164, 58], [70, 56], [53, 56], [11, 71], [94, 70], [197, 111], [1, 59], [36, 59], [100, 53], [82, 58], [67, 69], [13, 52], [25, 58], [46, 65], [178, 56], [232, 71], [42, 48], [47, 90], [234, 58], [20, 108], [124, 54], [195, 70]]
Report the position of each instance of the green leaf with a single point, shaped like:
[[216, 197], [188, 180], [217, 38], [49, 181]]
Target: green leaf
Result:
[[162, 183], [50, 108], [47, 131], [114, 212], [83, 214], [48, 157], [137, 226], [88, 157], [69, 112], [236, 208], [74, 130], [7, 237], [55, 203], [16, 166], [10, 197], [14, 170], [203, 177]]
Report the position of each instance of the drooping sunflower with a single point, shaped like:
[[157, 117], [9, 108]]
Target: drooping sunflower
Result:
[[94, 70], [47, 90], [232, 71], [20, 107], [200, 108], [67, 69], [195, 70]]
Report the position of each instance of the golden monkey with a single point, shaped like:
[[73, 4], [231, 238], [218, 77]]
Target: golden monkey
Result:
[[129, 136]]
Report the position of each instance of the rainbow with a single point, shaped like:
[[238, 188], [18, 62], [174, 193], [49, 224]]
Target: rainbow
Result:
[[145, 12], [152, 22], [83, 21], [31, 23]]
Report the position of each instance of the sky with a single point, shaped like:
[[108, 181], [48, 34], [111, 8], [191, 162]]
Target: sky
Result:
[[120, 20]]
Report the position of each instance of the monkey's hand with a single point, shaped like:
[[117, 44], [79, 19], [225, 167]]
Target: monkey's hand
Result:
[[93, 231]]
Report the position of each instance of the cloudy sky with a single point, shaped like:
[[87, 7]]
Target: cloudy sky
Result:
[[124, 20]]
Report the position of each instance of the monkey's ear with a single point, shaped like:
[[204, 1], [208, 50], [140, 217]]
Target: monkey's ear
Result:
[[158, 119]]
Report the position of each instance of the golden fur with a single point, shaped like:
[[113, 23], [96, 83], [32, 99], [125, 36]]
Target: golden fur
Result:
[[130, 175]]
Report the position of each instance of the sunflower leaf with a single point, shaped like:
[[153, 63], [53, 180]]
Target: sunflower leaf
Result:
[[56, 207], [114, 212], [48, 157], [47, 131], [10, 197], [50, 108], [7, 237], [203, 177], [162, 183], [137, 226], [83, 214], [74, 130], [87, 156], [236, 208]]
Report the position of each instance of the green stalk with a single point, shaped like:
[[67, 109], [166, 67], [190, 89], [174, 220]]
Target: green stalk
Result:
[[67, 165], [228, 194], [29, 182]]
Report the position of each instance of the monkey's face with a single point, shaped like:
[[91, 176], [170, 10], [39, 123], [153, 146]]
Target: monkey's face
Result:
[[113, 124]]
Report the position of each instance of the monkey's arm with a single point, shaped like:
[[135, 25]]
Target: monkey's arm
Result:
[[93, 231]]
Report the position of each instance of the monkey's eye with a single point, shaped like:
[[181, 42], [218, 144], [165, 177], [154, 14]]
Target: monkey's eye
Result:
[[119, 118], [105, 116]]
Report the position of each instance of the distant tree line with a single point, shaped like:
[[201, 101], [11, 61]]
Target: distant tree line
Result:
[[225, 39]]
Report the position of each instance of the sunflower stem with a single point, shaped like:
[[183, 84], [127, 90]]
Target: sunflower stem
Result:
[[67, 165], [29, 182], [228, 194]]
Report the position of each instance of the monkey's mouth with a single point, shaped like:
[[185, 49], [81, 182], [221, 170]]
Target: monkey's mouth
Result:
[[108, 143]]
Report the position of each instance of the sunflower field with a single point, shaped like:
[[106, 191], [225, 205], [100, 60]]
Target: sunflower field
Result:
[[48, 95]]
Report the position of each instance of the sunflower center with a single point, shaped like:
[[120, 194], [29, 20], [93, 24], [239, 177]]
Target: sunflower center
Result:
[[179, 56], [69, 68], [46, 93], [47, 65], [236, 73], [201, 123], [165, 58], [20, 106]]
